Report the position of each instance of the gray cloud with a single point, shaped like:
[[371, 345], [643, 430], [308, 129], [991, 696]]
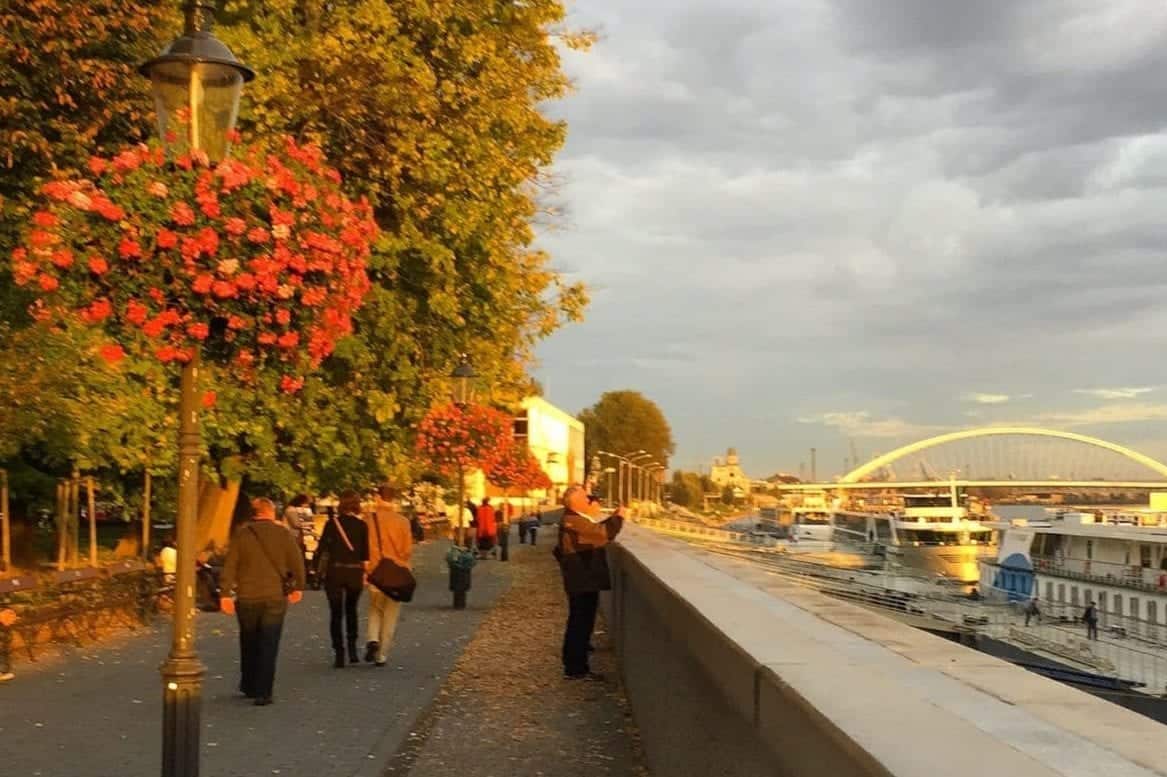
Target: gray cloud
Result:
[[799, 208]]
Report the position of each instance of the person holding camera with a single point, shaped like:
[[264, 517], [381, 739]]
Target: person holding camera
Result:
[[582, 553], [262, 575]]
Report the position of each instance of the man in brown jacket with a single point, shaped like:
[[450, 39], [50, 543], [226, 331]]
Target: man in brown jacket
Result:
[[263, 573], [583, 560], [389, 537]]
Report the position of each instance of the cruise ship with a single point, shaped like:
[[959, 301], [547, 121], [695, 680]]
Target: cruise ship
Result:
[[1115, 558], [938, 533], [809, 518]]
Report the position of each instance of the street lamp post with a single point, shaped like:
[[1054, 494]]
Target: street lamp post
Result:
[[463, 377], [196, 84]]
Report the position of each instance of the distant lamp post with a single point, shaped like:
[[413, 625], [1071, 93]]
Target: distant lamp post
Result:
[[463, 377], [196, 84]]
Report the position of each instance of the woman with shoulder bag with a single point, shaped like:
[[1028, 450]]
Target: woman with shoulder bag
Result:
[[344, 556], [390, 580]]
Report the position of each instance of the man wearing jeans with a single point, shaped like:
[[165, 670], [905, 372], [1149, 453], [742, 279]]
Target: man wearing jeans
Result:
[[263, 555], [583, 561]]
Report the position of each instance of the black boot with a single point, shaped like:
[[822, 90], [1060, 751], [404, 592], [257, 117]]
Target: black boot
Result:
[[353, 657], [371, 652], [339, 662]]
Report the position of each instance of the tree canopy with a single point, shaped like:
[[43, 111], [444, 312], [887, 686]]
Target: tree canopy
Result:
[[433, 110], [622, 422]]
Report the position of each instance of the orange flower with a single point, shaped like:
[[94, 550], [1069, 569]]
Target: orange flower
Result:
[[112, 353], [98, 266]]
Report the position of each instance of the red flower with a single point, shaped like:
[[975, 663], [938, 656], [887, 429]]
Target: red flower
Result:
[[208, 240], [283, 317], [182, 214], [98, 311], [168, 353], [156, 294], [291, 385], [136, 312], [288, 340], [107, 210], [98, 266], [267, 338], [202, 284], [258, 235], [112, 353], [62, 258], [235, 226], [48, 283], [236, 322], [224, 289], [209, 399], [166, 238], [245, 281], [130, 248], [97, 165], [155, 327], [198, 331], [42, 218], [210, 208]]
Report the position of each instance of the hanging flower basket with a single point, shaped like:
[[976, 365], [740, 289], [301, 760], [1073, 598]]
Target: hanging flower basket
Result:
[[257, 261]]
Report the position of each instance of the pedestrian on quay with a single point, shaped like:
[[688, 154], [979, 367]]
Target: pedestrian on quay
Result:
[[391, 538], [343, 563], [262, 575], [582, 553], [1090, 618], [486, 529], [1032, 611]]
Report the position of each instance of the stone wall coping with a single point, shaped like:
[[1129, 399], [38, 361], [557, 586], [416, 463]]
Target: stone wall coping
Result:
[[915, 704]]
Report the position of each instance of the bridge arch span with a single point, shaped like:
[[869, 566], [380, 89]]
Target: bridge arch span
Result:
[[859, 473]]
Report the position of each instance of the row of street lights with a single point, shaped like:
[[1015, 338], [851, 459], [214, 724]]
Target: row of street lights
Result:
[[638, 476]]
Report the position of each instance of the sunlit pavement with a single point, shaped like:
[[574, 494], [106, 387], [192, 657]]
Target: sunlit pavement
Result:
[[96, 713]]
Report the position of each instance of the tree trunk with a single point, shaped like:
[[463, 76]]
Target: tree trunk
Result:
[[216, 508]]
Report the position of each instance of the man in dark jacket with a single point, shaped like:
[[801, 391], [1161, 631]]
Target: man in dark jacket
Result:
[[583, 560], [264, 571]]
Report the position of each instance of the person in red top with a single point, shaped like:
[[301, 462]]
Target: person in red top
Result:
[[487, 527]]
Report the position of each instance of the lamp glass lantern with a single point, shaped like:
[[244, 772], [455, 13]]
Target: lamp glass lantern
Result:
[[196, 82], [463, 377]]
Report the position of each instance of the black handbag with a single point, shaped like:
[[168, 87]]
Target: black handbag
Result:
[[389, 577]]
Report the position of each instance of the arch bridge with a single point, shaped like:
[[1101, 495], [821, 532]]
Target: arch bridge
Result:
[[1008, 457]]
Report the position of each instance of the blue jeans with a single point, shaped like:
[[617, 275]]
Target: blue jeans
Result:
[[260, 625]]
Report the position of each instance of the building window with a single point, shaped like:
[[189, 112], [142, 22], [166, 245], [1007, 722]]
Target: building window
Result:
[[1089, 550], [1152, 611], [1074, 595], [1061, 592], [1133, 607], [1089, 596], [521, 426], [1049, 591], [1145, 556], [1117, 604], [1102, 603]]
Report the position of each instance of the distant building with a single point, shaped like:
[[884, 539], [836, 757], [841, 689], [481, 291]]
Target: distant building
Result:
[[555, 438], [728, 472]]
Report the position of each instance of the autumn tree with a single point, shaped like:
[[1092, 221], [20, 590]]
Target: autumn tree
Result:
[[433, 110], [626, 421]]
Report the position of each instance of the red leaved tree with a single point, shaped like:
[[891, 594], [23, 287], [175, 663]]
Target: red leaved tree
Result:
[[454, 438], [517, 467]]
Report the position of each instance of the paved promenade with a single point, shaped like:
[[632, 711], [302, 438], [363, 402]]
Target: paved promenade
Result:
[[95, 713]]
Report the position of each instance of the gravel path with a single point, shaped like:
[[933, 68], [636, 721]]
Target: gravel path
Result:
[[506, 711]]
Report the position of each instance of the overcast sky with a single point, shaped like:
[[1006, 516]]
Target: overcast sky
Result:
[[809, 221]]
